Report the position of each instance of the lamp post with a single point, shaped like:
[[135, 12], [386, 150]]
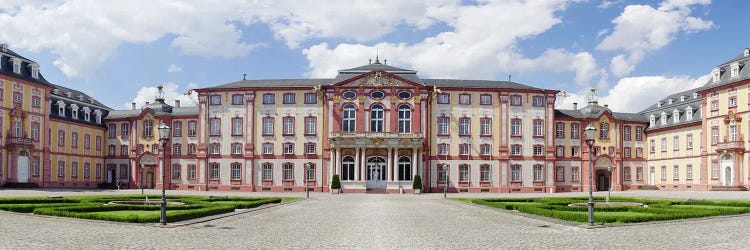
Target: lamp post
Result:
[[307, 170], [142, 177], [590, 133], [164, 133]]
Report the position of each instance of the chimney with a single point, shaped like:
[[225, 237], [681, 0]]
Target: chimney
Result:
[[606, 106], [176, 103], [4, 47], [575, 106], [133, 104], [146, 103]]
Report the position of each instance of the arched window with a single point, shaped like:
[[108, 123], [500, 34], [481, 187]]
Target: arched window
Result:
[[350, 116], [604, 130], [404, 119], [376, 118], [347, 169], [404, 169]]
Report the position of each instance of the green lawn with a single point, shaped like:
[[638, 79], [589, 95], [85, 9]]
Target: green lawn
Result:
[[656, 209], [97, 207]]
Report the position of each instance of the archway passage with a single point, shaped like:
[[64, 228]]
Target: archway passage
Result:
[[376, 173], [727, 166], [603, 180]]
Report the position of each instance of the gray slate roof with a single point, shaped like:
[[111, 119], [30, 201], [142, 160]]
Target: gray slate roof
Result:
[[726, 75], [275, 83], [593, 110], [159, 109], [476, 84], [6, 68], [74, 94], [681, 106]]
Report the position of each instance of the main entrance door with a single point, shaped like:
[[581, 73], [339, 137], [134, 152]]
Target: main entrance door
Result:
[[602, 180], [375, 173], [22, 168]]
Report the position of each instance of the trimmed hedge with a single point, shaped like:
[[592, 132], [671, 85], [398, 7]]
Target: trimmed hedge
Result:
[[657, 209]]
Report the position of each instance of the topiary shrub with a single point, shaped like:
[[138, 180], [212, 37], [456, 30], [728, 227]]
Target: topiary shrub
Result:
[[417, 182], [335, 183]]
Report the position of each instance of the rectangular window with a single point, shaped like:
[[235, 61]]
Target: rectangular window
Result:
[[288, 172], [267, 148], [441, 173], [663, 144], [60, 169], [689, 140], [288, 148], [714, 135], [464, 99], [123, 172], [236, 148], [191, 172], [214, 148], [125, 130], [715, 105], [575, 133], [215, 100], [288, 123], [310, 148], [124, 150], [36, 101], [237, 99], [86, 141], [176, 171], [626, 172], [290, 98], [560, 174], [267, 126], [626, 152], [61, 138], [236, 171], [74, 140], [177, 129], [537, 101], [484, 173], [715, 170], [191, 149], [574, 151], [538, 127], [652, 146], [35, 166], [485, 149], [538, 176], [310, 169], [560, 130], [35, 131], [98, 143], [515, 173], [676, 143], [311, 98], [463, 173], [639, 133], [639, 152], [442, 149], [575, 174], [155, 148], [626, 132], [732, 101], [443, 126], [310, 125], [560, 151], [485, 125], [515, 149], [98, 171], [17, 97], [676, 173], [267, 172], [515, 100], [515, 127], [111, 150], [663, 173], [237, 126], [464, 126], [177, 149], [192, 128], [269, 98], [604, 130], [215, 125], [485, 99], [113, 131], [639, 173], [538, 150], [444, 98], [689, 170], [148, 128], [213, 172], [463, 149]]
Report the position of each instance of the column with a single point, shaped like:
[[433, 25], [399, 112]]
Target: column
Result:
[[357, 161], [388, 163], [396, 174], [414, 163], [363, 166], [337, 164], [331, 163]]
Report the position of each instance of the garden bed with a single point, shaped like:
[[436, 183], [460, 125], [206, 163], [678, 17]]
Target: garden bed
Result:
[[653, 209], [132, 208]]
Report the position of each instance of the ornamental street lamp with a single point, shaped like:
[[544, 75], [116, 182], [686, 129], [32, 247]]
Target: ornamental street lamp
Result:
[[142, 177], [164, 133], [590, 133], [307, 170]]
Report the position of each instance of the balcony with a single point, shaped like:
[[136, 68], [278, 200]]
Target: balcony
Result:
[[383, 135], [12, 142], [376, 139], [728, 145]]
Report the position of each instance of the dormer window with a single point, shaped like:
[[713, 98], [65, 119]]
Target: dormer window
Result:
[[652, 120], [670, 101], [675, 116], [735, 69], [86, 114], [682, 98], [689, 113], [34, 70], [74, 111], [695, 95], [716, 75], [663, 118], [98, 114], [16, 65], [658, 104], [746, 53], [61, 108]]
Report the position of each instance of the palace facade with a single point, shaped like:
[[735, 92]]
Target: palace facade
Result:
[[376, 127]]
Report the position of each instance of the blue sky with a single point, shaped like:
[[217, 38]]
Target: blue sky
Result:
[[634, 52]]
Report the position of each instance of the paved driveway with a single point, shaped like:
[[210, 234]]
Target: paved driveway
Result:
[[370, 221]]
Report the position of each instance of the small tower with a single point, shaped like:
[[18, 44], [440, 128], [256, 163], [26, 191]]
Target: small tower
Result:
[[160, 94], [592, 99]]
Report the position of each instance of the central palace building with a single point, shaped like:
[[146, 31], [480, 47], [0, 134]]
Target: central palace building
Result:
[[376, 127]]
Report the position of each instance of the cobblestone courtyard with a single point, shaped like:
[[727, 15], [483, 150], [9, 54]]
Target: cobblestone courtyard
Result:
[[371, 221]]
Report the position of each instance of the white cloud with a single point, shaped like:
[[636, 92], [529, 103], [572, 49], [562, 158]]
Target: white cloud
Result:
[[608, 3], [174, 68], [633, 94], [481, 44], [172, 92], [642, 28]]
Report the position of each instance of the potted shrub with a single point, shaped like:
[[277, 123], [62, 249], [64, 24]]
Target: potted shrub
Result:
[[335, 184], [417, 185]]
